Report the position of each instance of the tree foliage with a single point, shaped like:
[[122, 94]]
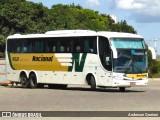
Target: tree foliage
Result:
[[24, 17], [154, 66], [21, 16]]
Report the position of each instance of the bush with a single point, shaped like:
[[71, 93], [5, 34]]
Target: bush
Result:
[[154, 69]]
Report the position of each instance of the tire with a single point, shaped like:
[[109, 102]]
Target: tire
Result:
[[33, 81], [93, 83], [40, 85], [122, 89], [24, 81]]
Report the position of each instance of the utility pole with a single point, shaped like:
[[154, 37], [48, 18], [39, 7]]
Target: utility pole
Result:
[[155, 44]]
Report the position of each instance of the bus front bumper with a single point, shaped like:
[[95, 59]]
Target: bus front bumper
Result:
[[129, 83]]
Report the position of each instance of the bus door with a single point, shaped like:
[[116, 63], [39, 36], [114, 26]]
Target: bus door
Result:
[[105, 69]]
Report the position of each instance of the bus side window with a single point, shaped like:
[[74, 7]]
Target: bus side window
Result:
[[62, 48], [68, 46], [94, 45], [54, 48], [51, 45], [90, 50], [78, 45], [18, 46], [25, 49], [18, 49], [39, 45], [13, 46], [47, 47], [90, 45], [30, 45], [105, 53], [26, 46], [65, 45], [78, 49], [86, 45]]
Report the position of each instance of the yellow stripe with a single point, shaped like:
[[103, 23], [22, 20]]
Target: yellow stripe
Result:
[[25, 61], [137, 76]]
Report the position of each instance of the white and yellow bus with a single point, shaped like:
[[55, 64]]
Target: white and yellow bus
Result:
[[82, 57]]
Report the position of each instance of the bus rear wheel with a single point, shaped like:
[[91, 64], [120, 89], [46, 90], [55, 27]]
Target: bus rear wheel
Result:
[[24, 81], [33, 81]]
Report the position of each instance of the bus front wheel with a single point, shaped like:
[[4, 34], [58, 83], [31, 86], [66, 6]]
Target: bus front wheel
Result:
[[122, 89], [24, 81], [92, 83]]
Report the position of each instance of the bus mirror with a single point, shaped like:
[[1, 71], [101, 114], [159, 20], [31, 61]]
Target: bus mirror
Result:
[[114, 52], [153, 52]]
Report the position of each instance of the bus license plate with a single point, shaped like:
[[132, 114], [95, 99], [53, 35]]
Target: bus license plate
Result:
[[132, 84]]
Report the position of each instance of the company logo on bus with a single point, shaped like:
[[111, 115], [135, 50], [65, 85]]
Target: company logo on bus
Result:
[[15, 58], [42, 58], [143, 75], [136, 76]]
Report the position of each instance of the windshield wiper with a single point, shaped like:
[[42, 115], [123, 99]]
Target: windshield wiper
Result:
[[128, 65], [138, 67]]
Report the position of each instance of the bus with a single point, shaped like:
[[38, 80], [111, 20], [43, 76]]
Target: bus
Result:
[[77, 57]]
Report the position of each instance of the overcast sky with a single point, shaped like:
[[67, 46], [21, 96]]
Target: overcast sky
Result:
[[143, 15]]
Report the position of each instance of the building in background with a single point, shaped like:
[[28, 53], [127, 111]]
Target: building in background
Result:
[[114, 17]]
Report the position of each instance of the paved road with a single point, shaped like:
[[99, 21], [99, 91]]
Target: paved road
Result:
[[76, 98]]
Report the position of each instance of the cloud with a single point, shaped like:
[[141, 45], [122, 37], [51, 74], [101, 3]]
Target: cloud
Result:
[[93, 2], [129, 4], [141, 10]]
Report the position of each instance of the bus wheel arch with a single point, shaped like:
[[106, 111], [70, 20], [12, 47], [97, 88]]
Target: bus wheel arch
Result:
[[24, 81], [90, 79]]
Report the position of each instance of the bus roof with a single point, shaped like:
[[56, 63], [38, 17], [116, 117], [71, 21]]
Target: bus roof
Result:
[[62, 32], [71, 33], [57, 33], [118, 34]]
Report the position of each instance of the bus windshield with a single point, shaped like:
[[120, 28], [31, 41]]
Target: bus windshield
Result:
[[130, 62], [132, 57], [128, 43]]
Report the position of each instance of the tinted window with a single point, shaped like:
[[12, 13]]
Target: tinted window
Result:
[[54, 45], [105, 53]]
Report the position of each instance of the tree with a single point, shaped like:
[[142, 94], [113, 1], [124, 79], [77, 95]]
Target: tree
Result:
[[123, 27], [24, 17]]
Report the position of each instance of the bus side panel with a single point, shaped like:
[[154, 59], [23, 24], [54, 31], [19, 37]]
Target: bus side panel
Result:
[[104, 77], [73, 75], [90, 67], [76, 74], [50, 77], [12, 75]]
